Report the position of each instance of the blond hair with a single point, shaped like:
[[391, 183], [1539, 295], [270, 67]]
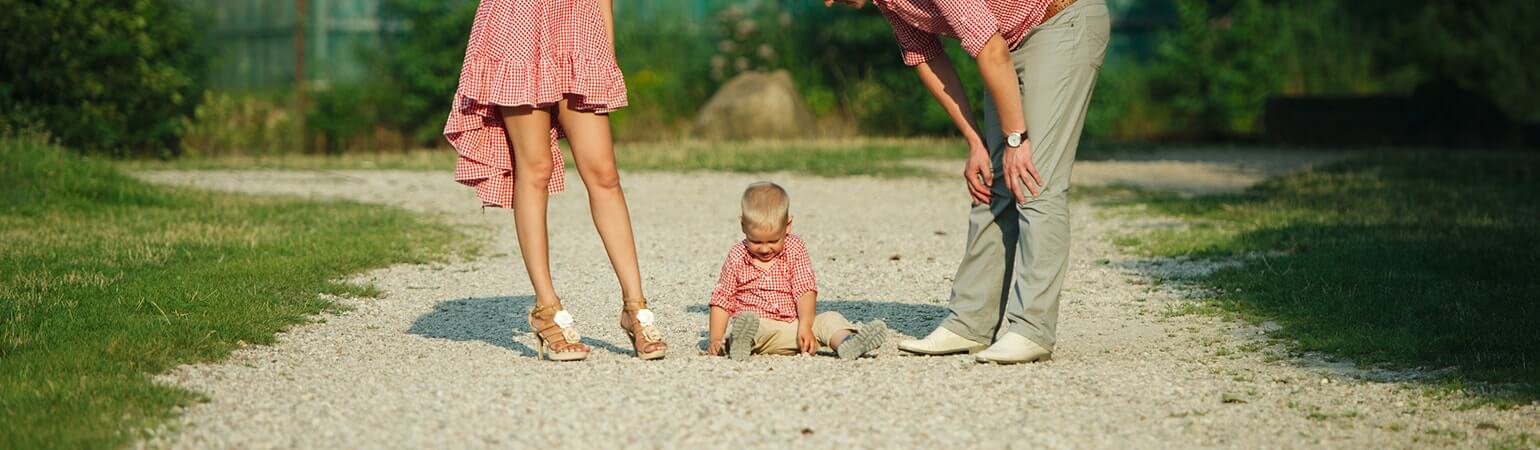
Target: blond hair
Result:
[[765, 206]]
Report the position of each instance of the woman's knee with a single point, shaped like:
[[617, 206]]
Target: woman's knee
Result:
[[605, 178], [533, 174]]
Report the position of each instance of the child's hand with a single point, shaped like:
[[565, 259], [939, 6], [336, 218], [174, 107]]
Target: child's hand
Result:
[[715, 348], [806, 341]]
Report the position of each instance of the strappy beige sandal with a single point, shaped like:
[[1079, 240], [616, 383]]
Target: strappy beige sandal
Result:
[[557, 336], [646, 340]]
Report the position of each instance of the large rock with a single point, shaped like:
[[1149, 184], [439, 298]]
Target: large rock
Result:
[[756, 105]]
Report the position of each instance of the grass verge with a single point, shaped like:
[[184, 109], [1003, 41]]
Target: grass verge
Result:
[[1411, 259], [864, 156], [105, 281]]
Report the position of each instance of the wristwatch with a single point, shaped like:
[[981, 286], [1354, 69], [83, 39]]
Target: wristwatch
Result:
[[1014, 139]]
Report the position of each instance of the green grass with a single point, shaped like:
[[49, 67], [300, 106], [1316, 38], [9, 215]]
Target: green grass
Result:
[[105, 281], [1411, 259], [865, 156]]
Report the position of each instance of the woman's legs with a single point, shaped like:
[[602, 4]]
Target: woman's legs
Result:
[[594, 153], [529, 132]]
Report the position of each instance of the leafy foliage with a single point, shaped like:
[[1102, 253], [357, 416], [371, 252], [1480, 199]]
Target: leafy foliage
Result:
[[110, 77], [422, 66]]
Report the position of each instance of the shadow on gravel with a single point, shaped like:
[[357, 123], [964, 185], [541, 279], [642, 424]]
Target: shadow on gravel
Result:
[[493, 320], [907, 318]]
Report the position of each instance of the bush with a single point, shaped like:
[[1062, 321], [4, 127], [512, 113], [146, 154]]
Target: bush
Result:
[[1122, 109], [859, 62], [421, 67], [404, 99], [1480, 45], [1212, 72], [359, 116], [102, 76], [846, 62], [1215, 72], [227, 123], [665, 56]]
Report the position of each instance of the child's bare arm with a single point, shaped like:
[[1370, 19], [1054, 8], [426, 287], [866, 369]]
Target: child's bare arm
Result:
[[807, 307], [717, 330]]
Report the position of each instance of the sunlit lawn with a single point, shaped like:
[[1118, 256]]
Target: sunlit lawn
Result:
[[1411, 259], [105, 281]]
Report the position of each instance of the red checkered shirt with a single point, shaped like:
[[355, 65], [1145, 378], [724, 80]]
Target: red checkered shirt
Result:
[[770, 292], [916, 23]]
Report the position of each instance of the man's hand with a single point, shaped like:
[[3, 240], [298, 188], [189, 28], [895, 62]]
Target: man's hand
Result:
[[857, 4], [716, 348], [806, 341], [1020, 174], [978, 174]]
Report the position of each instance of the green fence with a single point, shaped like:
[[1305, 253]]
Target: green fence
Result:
[[254, 40]]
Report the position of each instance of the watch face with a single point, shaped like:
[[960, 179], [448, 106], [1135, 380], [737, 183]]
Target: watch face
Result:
[[1013, 139]]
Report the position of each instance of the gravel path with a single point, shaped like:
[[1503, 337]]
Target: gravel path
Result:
[[444, 359]]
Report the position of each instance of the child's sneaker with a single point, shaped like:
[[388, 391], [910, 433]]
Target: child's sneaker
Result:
[[868, 337], [740, 341]]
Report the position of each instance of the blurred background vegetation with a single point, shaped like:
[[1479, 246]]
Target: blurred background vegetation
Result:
[[217, 77]]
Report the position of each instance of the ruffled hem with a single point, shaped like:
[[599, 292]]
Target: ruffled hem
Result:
[[475, 126], [597, 84], [485, 159]]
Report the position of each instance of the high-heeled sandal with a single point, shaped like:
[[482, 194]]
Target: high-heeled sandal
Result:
[[648, 343], [558, 336]]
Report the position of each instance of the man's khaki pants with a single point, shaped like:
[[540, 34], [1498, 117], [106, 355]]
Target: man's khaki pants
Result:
[[780, 338], [1017, 253]]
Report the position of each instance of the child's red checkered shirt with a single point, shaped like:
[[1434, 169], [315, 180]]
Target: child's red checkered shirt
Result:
[[771, 292]]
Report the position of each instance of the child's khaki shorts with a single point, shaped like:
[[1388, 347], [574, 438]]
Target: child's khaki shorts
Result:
[[780, 338]]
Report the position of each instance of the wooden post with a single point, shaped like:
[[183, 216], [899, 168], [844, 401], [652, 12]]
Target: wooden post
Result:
[[301, 9]]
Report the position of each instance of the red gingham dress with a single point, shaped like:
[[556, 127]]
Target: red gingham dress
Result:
[[527, 53], [771, 292]]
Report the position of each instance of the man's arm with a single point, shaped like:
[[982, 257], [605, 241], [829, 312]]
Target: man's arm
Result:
[[940, 78], [976, 27], [999, 74]]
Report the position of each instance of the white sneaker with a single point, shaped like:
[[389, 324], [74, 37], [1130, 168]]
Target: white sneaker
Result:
[[1013, 349], [941, 342]]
